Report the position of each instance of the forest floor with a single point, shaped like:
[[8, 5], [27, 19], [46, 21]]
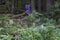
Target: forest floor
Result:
[[27, 27]]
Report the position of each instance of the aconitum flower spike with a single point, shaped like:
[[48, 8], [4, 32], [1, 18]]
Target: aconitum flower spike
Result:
[[27, 11], [27, 7]]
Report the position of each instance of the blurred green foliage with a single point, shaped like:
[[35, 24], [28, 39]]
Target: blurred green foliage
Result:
[[55, 9], [40, 30]]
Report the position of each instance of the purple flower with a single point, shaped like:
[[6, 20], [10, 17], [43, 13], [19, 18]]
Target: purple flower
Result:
[[27, 7], [27, 11]]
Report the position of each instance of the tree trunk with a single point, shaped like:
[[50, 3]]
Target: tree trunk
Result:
[[39, 5], [48, 5], [44, 5], [48, 14], [32, 5]]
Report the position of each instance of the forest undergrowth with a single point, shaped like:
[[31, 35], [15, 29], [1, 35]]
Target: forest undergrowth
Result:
[[32, 27]]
